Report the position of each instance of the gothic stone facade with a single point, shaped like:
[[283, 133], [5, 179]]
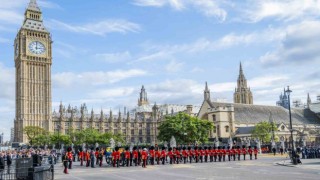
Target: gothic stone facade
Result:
[[33, 59], [139, 125]]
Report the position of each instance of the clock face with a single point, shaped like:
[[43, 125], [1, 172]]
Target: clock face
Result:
[[37, 47]]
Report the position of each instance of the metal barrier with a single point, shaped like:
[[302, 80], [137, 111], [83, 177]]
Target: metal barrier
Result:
[[23, 169]]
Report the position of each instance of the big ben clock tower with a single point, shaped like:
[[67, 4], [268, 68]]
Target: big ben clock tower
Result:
[[33, 60]]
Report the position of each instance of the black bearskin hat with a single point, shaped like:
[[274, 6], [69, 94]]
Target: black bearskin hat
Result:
[[184, 148], [127, 148], [209, 147], [249, 147], [97, 149], [189, 148], [219, 147], [255, 147], [163, 148], [243, 146], [195, 148], [116, 148], [69, 149], [170, 148], [151, 148], [228, 147], [134, 147]]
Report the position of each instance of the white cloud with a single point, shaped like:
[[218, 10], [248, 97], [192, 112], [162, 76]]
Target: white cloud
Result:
[[10, 16], [300, 45], [282, 10], [114, 57], [70, 79], [197, 70], [208, 8], [7, 82], [101, 28], [165, 52], [113, 93], [174, 66]]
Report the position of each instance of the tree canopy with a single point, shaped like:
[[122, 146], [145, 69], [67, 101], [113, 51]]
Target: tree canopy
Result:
[[33, 131], [185, 128], [263, 131], [38, 136]]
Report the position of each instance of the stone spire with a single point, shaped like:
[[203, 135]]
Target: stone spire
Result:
[[101, 115], [242, 93], [308, 101], [206, 93], [33, 6], [143, 100]]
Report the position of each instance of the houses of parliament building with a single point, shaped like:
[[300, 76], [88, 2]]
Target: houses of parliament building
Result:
[[33, 60]]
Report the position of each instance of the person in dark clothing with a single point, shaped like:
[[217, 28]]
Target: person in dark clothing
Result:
[[35, 158], [9, 161], [1, 162]]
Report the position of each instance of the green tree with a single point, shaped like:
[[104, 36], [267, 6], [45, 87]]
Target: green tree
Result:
[[41, 140], [185, 129], [33, 131], [118, 138], [263, 131], [60, 139]]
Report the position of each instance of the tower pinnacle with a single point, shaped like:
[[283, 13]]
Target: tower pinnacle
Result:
[[206, 93], [242, 93], [33, 6]]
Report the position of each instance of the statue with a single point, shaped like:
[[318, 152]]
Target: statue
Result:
[[173, 142], [258, 145], [165, 144], [62, 148], [97, 145], [83, 146], [131, 146], [216, 142], [112, 143], [119, 144], [230, 142]]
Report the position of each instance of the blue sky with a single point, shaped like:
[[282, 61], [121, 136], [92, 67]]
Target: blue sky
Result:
[[103, 51]]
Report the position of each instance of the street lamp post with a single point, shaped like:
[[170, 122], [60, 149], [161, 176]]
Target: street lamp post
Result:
[[293, 153]]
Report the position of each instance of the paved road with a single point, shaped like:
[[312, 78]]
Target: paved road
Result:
[[264, 168]]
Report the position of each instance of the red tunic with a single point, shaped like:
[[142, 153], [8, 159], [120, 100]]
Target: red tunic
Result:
[[88, 155], [228, 152], [163, 153], [116, 155], [244, 151], [127, 154], [96, 154], [170, 154], [69, 155], [81, 154], [144, 155], [223, 152], [151, 153], [184, 153], [135, 154], [250, 151], [255, 151], [238, 151]]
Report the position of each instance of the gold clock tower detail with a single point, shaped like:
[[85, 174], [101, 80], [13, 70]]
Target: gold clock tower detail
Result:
[[33, 60]]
